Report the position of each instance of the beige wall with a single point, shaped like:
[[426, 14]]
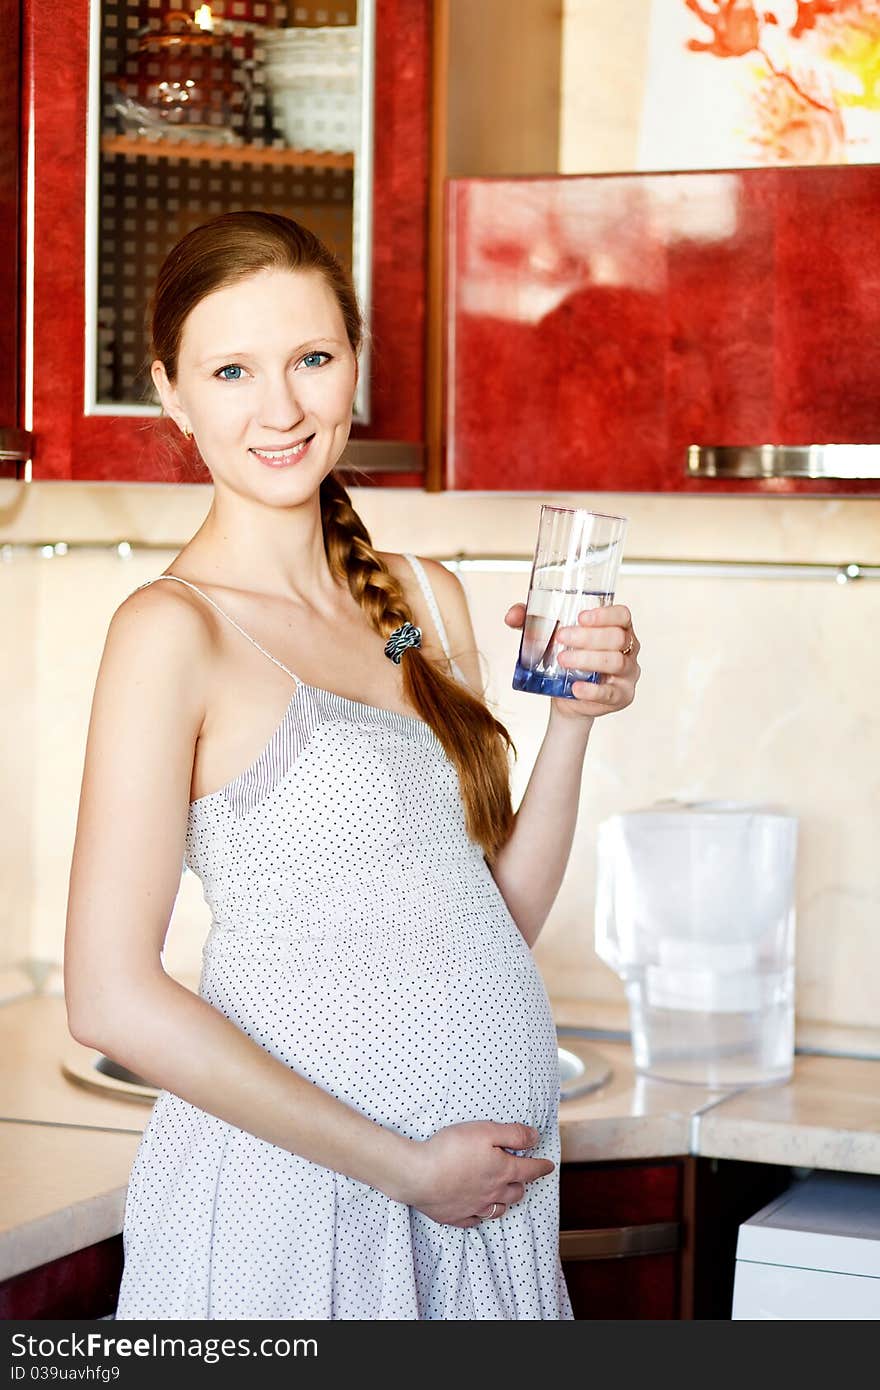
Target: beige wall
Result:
[[604, 63], [752, 689]]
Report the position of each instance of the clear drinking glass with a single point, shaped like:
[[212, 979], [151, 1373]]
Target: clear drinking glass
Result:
[[575, 567]]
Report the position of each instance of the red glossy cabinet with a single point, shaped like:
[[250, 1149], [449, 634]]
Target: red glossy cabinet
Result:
[[621, 1233], [598, 326], [117, 447]]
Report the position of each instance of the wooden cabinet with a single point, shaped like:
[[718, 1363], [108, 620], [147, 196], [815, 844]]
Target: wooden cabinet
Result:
[[72, 441], [657, 1239], [621, 1235]]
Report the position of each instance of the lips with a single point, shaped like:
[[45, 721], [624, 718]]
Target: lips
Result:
[[280, 458]]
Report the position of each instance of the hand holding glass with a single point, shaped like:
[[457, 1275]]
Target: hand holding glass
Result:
[[575, 567]]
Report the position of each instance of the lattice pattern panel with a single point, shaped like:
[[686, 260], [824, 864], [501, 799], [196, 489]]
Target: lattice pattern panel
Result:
[[148, 201]]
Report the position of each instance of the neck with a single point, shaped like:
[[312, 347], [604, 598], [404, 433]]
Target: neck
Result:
[[277, 551]]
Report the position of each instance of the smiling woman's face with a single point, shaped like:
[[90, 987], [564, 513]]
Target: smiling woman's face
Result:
[[265, 380]]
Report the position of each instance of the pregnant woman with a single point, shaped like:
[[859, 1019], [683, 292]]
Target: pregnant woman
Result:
[[358, 1109]]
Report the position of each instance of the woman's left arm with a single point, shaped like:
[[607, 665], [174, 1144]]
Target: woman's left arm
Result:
[[530, 867]]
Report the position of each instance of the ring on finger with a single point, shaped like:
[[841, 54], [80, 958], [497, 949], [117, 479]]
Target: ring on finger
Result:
[[629, 646]]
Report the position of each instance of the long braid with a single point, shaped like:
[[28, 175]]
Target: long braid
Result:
[[475, 742], [353, 560]]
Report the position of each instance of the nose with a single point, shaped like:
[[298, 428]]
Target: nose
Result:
[[279, 406]]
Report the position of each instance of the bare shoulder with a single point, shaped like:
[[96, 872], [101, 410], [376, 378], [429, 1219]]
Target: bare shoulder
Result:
[[454, 610], [152, 684], [161, 627]]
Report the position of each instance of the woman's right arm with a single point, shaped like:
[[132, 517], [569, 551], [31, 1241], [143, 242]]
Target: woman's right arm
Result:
[[147, 712]]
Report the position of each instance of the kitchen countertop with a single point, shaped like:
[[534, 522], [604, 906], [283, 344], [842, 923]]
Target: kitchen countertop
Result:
[[61, 1189], [66, 1152], [827, 1116]]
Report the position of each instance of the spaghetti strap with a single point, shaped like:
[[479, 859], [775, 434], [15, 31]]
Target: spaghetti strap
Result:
[[433, 606], [434, 609], [225, 615]]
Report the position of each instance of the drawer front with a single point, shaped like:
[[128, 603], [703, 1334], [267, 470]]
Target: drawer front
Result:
[[604, 1195], [644, 1287]]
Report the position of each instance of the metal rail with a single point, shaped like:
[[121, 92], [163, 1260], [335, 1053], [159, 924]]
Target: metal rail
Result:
[[462, 562]]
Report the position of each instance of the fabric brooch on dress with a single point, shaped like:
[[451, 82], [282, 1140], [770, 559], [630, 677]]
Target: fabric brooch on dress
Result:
[[407, 635]]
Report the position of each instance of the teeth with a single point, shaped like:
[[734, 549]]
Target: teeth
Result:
[[274, 454]]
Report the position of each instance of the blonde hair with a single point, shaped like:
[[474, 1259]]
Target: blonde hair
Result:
[[230, 248]]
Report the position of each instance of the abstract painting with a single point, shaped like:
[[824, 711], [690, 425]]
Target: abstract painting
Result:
[[732, 83]]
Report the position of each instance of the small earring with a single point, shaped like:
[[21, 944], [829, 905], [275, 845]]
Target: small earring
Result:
[[187, 433]]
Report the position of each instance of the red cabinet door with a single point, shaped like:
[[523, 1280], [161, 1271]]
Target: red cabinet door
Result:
[[620, 1238], [68, 442], [598, 326]]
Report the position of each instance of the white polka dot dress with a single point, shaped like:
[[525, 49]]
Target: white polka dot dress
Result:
[[358, 935]]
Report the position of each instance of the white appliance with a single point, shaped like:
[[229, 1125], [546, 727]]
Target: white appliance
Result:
[[813, 1253]]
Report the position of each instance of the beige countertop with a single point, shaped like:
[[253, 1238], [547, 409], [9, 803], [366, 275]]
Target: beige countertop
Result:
[[66, 1152], [61, 1189], [827, 1116]]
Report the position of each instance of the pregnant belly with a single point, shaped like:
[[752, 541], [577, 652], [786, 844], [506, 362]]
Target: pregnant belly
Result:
[[417, 1039]]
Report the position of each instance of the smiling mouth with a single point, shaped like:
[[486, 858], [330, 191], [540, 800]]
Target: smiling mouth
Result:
[[286, 455]]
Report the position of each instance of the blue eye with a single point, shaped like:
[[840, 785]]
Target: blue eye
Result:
[[311, 358], [232, 367]]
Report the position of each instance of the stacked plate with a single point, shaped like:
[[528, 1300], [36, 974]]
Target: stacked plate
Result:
[[313, 77]]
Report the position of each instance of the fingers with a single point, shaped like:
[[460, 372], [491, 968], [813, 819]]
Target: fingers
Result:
[[604, 642], [514, 1135], [614, 615], [529, 1169], [600, 697], [608, 663], [515, 616], [513, 1192], [607, 639], [486, 1215]]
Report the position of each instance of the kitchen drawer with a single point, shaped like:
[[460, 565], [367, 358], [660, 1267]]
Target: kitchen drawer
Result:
[[621, 1233], [619, 1194], [643, 1286]]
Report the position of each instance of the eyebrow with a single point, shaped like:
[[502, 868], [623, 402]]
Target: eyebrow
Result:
[[234, 355]]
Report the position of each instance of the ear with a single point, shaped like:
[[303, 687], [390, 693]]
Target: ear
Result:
[[168, 395]]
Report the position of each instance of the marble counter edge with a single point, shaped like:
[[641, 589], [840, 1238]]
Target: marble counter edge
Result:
[[799, 1145], [62, 1232], [621, 1137]]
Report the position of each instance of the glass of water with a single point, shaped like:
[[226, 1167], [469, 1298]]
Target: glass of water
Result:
[[575, 567]]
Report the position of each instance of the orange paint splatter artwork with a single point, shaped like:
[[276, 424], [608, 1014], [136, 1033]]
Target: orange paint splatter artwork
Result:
[[778, 82]]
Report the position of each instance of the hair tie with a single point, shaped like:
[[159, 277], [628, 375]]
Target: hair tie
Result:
[[407, 635]]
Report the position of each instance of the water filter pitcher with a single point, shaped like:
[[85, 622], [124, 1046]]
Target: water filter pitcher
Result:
[[695, 910]]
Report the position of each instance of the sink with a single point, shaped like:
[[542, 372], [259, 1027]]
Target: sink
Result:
[[581, 1069], [92, 1069]]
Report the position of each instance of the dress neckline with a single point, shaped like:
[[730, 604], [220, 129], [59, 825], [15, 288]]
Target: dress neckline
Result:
[[332, 695]]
